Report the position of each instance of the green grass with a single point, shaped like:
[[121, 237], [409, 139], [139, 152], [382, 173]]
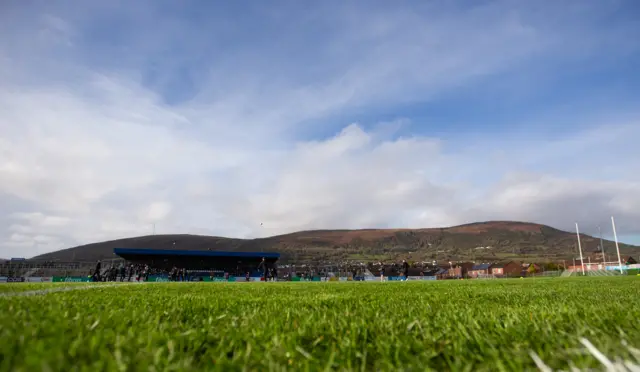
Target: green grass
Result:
[[414, 326], [7, 288]]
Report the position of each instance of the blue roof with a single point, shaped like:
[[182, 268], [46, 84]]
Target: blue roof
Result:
[[172, 252], [481, 267]]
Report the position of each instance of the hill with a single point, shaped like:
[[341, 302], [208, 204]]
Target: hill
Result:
[[484, 241]]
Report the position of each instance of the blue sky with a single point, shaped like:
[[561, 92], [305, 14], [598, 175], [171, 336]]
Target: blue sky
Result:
[[214, 117]]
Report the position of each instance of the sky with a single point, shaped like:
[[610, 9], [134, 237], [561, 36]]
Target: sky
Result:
[[251, 118]]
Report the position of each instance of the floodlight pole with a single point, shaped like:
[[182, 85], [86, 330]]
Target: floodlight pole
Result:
[[615, 237], [580, 248]]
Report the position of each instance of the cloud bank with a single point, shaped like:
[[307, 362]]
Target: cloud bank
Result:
[[216, 120]]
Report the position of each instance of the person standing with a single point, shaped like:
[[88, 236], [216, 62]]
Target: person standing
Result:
[[97, 272], [265, 269], [405, 270]]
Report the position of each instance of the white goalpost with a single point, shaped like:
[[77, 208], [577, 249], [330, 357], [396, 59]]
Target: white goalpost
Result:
[[604, 263], [615, 237], [580, 248]]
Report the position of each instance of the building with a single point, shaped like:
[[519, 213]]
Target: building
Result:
[[442, 273], [479, 270], [506, 269], [457, 270], [240, 262]]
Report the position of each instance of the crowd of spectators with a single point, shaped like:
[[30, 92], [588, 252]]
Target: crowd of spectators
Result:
[[124, 271]]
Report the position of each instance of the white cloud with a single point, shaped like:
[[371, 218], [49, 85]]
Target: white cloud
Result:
[[91, 149], [41, 219], [158, 211]]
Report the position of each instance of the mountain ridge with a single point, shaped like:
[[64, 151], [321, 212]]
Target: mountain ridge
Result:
[[489, 241]]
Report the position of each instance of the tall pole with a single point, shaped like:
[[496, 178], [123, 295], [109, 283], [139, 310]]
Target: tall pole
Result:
[[615, 237], [580, 248]]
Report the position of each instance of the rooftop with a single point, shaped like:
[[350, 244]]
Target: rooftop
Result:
[[481, 267]]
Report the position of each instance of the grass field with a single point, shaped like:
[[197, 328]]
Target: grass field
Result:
[[10, 288], [414, 326]]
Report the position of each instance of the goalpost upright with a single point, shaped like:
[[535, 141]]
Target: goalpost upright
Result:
[[615, 237], [580, 248]]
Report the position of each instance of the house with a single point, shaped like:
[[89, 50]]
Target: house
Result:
[[457, 270], [441, 273], [453, 271], [479, 270], [506, 269]]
